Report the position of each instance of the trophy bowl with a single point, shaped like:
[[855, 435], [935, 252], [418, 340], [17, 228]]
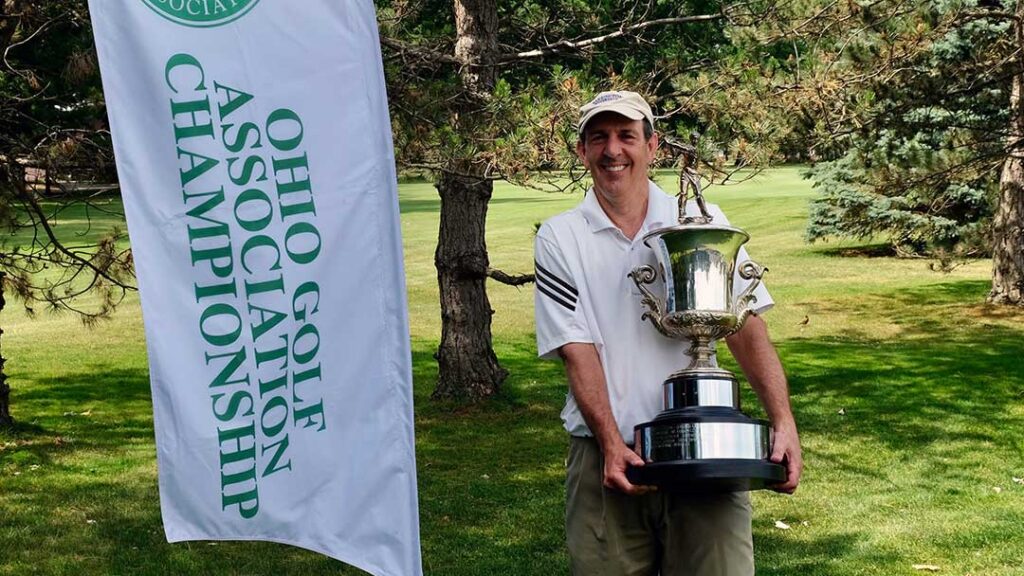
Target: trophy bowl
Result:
[[701, 442]]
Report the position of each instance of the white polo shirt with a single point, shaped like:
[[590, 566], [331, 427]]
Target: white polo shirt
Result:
[[582, 294]]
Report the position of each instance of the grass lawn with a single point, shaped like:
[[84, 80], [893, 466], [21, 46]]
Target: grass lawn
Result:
[[908, 390]]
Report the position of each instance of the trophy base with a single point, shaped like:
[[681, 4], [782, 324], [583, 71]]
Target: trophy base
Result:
[[702, 442], [708, 476]]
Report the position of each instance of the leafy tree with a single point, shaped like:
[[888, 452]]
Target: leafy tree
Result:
[[481, 92], [923, 113], [52, 133], [478, 91]]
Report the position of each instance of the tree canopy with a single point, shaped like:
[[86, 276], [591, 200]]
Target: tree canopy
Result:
[[923, 129], [54, 137], [482, 91]]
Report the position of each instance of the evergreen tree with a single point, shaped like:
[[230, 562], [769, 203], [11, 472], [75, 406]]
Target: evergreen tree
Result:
[[481, 92], [919, 117]]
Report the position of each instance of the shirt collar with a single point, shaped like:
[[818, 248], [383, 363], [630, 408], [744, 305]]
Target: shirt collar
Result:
[[661, 209], [595, 215]]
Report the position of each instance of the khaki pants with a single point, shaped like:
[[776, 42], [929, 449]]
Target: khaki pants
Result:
[[612, 534]]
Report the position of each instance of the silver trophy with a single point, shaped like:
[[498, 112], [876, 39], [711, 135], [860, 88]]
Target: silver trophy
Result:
[[701, 441]]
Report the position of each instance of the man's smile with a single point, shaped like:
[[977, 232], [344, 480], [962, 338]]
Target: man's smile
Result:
[[614, 167]]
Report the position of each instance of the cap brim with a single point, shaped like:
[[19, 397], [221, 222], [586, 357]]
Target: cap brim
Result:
[[627, 111]]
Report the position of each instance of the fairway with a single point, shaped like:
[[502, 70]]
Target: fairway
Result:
[[908, 391]]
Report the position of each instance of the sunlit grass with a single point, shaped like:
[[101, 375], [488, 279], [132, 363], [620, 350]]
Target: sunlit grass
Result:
[[908, 390]]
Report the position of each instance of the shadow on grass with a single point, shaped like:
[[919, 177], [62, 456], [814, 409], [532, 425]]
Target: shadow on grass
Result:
[[487, 474], [964, 294], [57, 416], [861, 251], [814, 555], [949, 381], [491, 475], [20, 429], [81, 463], [112, 386], [114, 527]]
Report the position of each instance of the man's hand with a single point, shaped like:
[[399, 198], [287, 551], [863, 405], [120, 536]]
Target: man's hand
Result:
[[617, 458], [786, 451]]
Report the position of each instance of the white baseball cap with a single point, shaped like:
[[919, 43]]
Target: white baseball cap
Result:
[[628, 104]]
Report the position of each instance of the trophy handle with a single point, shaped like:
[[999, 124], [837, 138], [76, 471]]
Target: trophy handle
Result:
[[642, 275], [749, 270]]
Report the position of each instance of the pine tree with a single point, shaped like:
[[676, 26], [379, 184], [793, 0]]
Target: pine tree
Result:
[[483, 91], [919, 114]]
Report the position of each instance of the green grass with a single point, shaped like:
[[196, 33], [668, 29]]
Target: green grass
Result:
[[927, 378]]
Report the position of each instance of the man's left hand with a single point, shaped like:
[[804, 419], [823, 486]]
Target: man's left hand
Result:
[[786, 451]]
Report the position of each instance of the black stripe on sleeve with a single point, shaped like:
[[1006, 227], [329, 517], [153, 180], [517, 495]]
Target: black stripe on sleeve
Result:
[[564, 284], [542, 281], [543, 290]]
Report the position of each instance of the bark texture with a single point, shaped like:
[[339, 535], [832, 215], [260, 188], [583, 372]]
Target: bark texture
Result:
[[468, 369], [1008, 224], [476, 44]]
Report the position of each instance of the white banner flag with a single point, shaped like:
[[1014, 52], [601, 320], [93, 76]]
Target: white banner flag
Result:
[[254, 153]]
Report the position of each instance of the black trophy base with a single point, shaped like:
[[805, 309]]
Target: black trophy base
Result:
[[702, 442], [708, 476]]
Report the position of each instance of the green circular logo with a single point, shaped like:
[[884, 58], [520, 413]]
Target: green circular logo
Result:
[[201, 13]]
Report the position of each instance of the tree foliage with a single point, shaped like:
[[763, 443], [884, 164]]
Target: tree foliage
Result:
[[918, 124], [53, 138], [482, 91], [902, 105], [553, 56]]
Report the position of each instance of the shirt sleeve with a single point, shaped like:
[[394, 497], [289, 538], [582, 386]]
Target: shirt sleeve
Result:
[[763, 301], [558, 311]]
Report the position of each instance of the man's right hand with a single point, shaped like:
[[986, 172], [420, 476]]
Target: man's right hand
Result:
[[618, 457]]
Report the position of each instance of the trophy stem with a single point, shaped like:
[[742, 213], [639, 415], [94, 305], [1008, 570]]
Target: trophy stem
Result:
[[702, 351]]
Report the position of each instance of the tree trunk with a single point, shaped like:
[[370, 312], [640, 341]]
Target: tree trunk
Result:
[[468, 369], [1008, 224], [467, 366], [476, 45], [6, 421]]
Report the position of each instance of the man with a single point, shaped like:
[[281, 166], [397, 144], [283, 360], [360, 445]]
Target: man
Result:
[[589, 315]]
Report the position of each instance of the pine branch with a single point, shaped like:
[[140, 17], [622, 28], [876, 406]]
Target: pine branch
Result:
[[510, 279], [577, 45], [437, 167], [30, 37], [34, 207], [407, 51], [983, 14]]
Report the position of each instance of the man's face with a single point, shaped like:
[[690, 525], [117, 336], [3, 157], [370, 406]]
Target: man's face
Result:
[[617, 155]]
